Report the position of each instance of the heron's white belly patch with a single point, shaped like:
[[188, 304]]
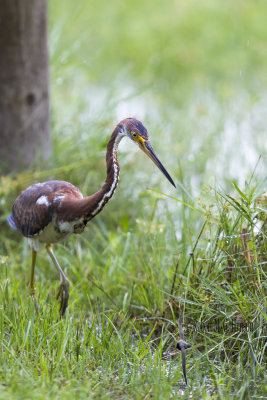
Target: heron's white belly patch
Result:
[[50, 234], [54, 232], [65, 226]]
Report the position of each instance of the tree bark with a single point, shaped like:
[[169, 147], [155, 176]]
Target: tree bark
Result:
[[24, 84]]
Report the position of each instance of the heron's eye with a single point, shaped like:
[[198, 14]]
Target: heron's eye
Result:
[[134, 135]]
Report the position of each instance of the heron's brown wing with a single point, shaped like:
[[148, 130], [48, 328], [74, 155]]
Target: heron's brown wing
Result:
[[31, 219], [36, 206]]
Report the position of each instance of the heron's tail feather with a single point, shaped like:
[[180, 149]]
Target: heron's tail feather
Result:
[[11, 222]]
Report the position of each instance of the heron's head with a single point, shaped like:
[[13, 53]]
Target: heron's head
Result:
[[136, 131]]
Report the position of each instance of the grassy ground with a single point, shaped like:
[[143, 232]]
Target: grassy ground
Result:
[[195, 73]]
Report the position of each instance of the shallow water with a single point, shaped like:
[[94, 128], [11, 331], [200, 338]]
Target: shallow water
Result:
[[217, 140]]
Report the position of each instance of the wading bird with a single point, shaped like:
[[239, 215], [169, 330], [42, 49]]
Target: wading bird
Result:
[[48, 212]]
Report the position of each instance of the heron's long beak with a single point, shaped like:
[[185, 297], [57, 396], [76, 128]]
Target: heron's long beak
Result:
[[148, 149]]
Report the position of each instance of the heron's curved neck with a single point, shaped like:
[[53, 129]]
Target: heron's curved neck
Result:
[[113, 170], [93, 204]]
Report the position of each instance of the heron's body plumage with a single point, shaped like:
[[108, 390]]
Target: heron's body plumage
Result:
[[49, 212]]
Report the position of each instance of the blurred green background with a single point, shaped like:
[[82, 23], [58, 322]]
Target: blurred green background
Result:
[[194, 72]]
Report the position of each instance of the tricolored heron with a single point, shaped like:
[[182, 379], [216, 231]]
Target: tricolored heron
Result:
[[48, 212]]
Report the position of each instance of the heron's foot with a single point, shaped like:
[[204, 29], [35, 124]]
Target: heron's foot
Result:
[[63, 295]]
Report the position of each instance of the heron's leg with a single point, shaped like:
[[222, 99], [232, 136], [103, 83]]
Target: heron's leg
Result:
[[32, 288], [63, 292]]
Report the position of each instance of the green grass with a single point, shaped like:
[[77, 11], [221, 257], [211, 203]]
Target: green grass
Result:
[[195, 73], [121, 328]]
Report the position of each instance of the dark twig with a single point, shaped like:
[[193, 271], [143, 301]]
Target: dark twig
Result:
[[182, 346]]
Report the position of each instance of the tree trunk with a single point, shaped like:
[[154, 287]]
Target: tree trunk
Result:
[[24, 84]]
